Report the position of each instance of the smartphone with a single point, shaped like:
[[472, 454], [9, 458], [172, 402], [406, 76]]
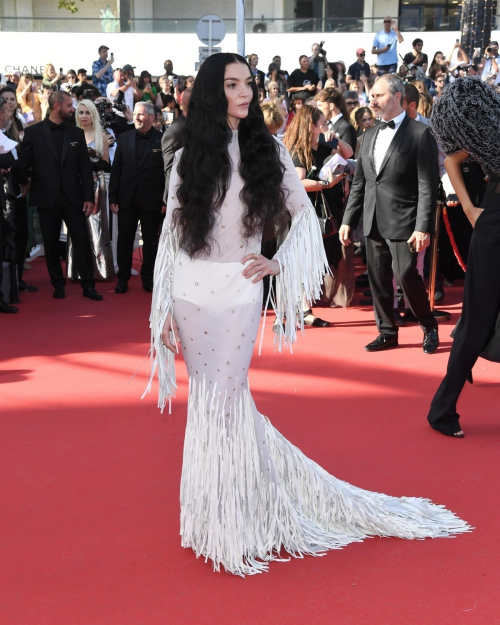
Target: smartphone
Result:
[[457, 40], [61, 70], [333, 144], [175, 82]]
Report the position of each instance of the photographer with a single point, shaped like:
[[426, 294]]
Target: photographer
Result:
[[385, 46], [317, 60], [358, 70], [70, 81], [490, 62], [275, 76], [303, 81], [417, 59], [122, 94], [102, 72]]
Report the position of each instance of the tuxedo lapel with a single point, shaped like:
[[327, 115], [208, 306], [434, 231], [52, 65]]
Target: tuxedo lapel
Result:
[[46, 132], [395, 141], [370, 147], [131, 147], [66, 142]]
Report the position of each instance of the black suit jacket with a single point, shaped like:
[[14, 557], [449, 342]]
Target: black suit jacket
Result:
[[127, 175], [403, 194], [170, 144], [48, 174], [346, 132]]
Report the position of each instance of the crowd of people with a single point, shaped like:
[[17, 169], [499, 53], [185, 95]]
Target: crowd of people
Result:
[[318, 102]]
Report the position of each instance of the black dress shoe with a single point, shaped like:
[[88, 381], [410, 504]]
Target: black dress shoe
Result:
[[59, 292], [148, 288], [382, 342], [5, 308], [27, 288], [92, 294], [431, 341], [121, 287]]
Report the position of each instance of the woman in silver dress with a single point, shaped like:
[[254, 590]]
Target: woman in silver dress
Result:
[[246, 492], [87, 118]]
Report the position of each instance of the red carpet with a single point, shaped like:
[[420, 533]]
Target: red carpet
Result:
[[90, 475]]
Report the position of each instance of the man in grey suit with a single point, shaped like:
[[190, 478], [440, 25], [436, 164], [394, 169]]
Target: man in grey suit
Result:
[[172, 139], [395, 188]]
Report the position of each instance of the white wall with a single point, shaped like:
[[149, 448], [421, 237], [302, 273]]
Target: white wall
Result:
[[149, 50]]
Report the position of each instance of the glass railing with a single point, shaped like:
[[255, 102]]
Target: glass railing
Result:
[[317, 25]]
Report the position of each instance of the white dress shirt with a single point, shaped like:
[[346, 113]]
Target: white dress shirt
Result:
[[333, 120], [384, 139]]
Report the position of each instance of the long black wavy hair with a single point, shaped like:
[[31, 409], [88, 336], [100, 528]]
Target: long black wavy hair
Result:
[[205, 166]]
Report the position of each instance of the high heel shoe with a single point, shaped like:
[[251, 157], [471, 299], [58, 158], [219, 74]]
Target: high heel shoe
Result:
[[316, 322], [452, 429]]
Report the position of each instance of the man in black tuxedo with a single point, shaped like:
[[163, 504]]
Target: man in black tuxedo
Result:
[[136, 189], [395, 188], [172, 139], [331, 103], [62, 188]]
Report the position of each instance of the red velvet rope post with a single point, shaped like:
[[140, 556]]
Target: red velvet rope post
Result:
[[452, 240]]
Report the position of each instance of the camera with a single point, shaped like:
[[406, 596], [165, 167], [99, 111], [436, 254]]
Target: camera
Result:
[[321, 49], [119, 102], [106, 116], [89, 94]]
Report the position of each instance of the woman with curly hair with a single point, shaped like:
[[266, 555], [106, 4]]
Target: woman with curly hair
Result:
[[466, 123], [246, 492]]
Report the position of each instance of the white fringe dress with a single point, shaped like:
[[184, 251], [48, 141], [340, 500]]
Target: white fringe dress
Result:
[[247, 494]]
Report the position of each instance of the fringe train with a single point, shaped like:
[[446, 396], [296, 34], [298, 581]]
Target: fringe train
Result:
[[247, 494], [162, 358], [303, 265]]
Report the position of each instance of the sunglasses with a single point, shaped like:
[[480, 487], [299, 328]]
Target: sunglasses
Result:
[[387, 21], [350, 103], [362, 54]]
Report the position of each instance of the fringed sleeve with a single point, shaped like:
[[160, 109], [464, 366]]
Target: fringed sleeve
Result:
[[302, 260], [161, 358]]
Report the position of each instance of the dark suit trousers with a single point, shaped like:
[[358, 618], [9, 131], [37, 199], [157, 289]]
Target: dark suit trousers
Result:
[[50, 225], [479, 312], [22, 234], [386, 258], [150, 227]]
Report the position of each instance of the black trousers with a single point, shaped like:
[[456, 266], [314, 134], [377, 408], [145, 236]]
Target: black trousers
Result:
[[479, 313], [386, 258], [150, 227], [50, 224], [22, 234]]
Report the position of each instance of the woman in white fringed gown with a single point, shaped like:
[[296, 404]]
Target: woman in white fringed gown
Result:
[[247, 494]]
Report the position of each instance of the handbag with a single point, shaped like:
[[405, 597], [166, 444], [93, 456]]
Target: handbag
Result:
[[326, 220]]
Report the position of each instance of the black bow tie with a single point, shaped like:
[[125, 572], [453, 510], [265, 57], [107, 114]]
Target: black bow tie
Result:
[[141, 135], [384, 125], [53, 126]]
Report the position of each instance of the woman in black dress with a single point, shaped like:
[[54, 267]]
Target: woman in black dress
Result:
[[466, 122]]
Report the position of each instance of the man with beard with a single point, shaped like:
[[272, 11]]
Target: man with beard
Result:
[[62, 188], [395, 188]]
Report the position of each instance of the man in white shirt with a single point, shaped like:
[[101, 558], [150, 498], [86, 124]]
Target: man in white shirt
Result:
[[395, 189], [491, 63], [119, 85]]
